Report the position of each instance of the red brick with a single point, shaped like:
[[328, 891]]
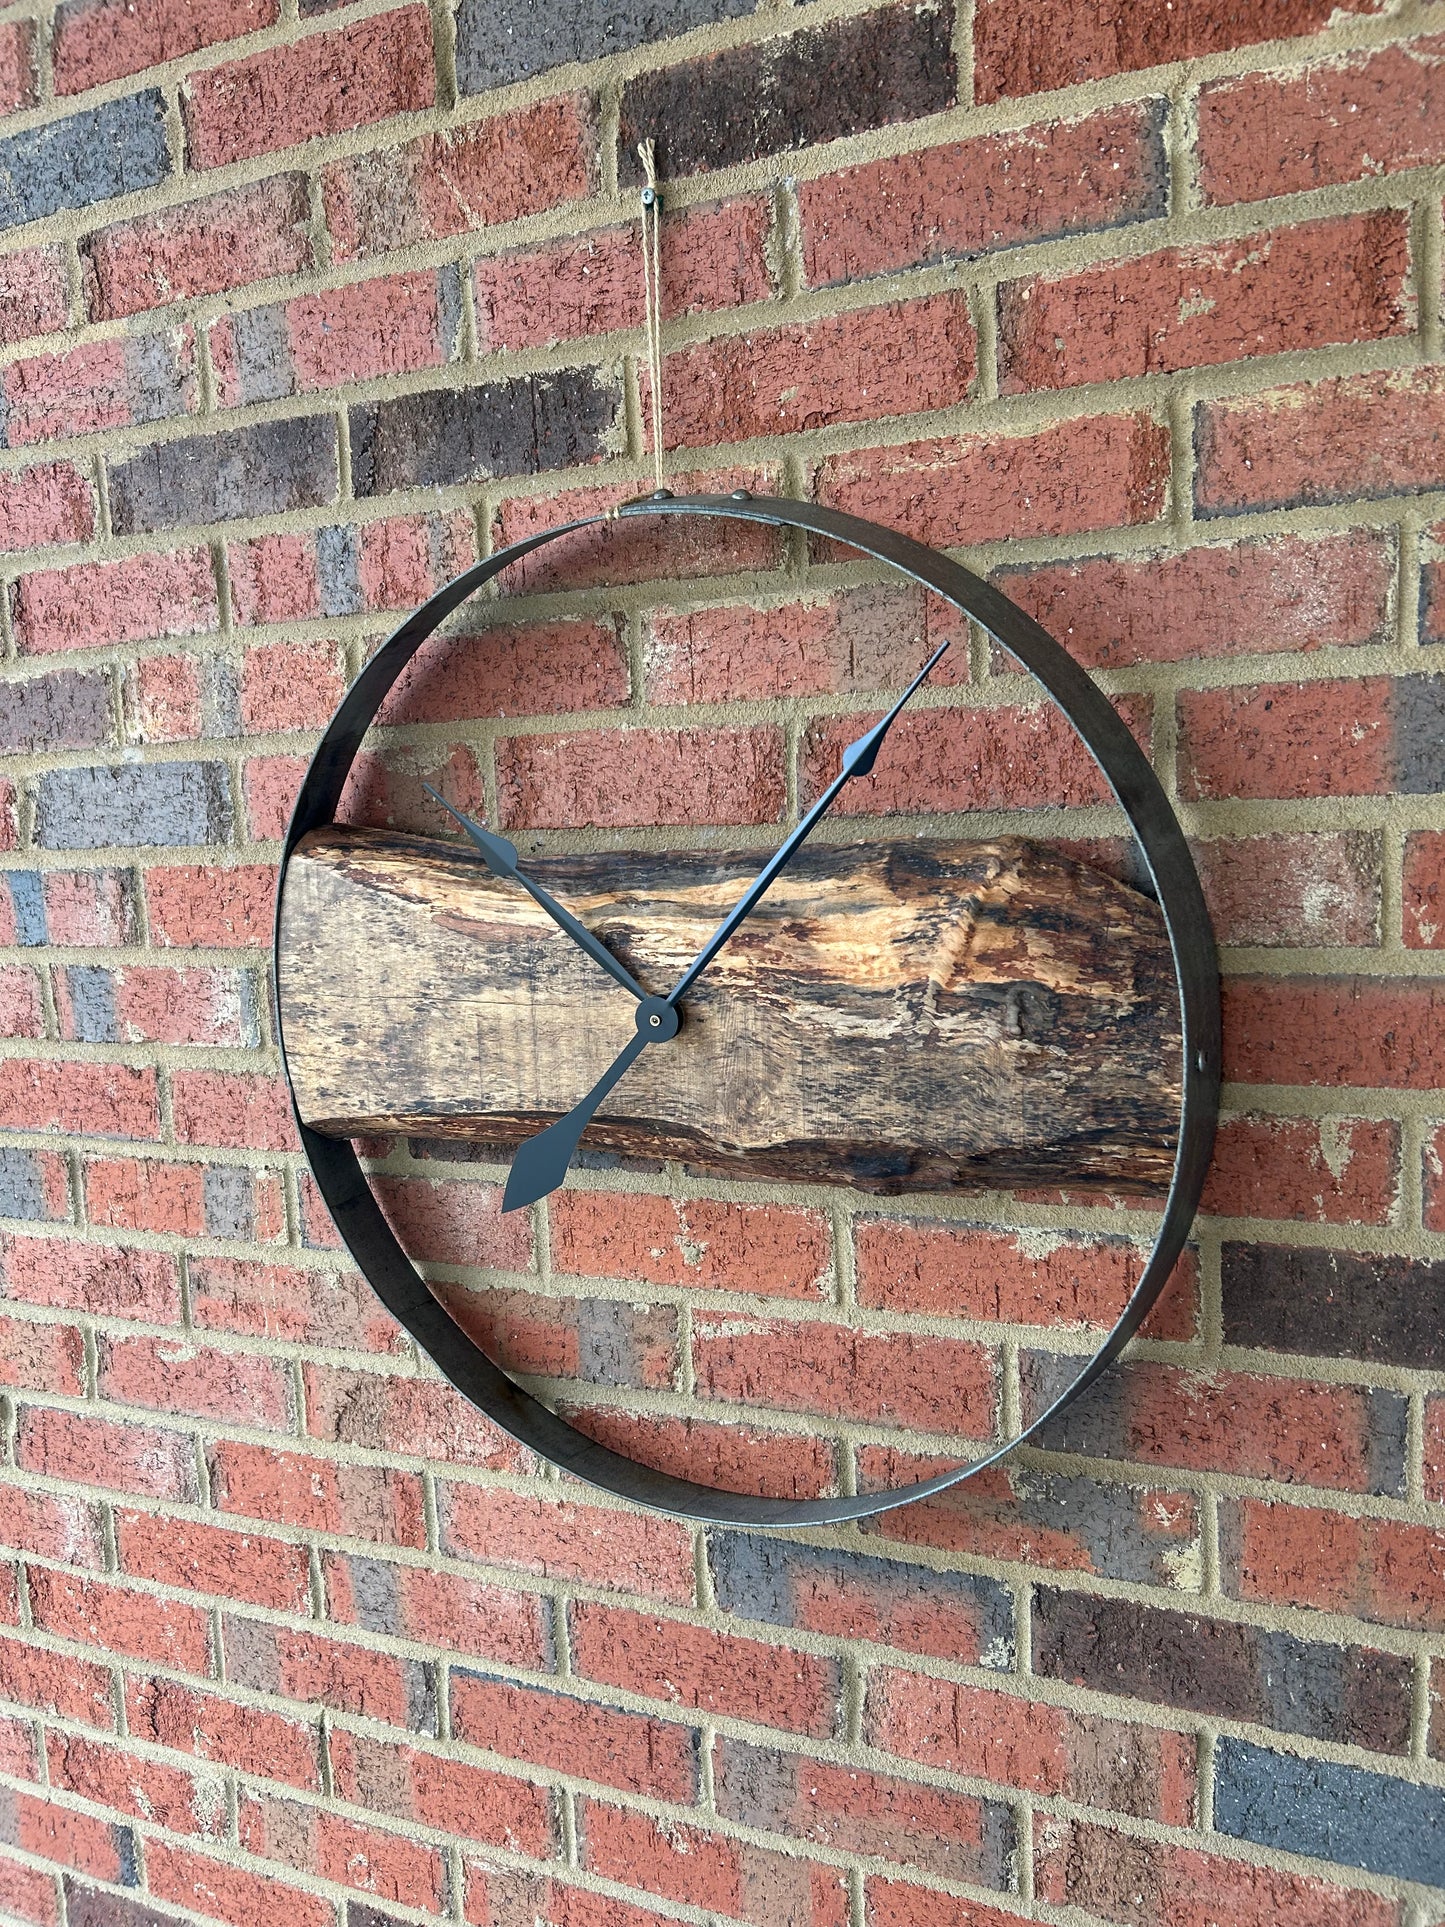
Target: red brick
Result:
[[64, 1529], [19, 1747], [1302, 888], [613, 779], [101, 1100], [146, 1194], [174, 1375], [370, 328], [537, 669], [21, 1012], [236, 1110], [1014, 1277], [644, 550], [163, 699], [1435, 1450], [106, 1281], [17, 65], [206, 1558], [98, 385], [158, 1004], [314, 1668], [713, 1673], [455, 1223], [712, 257], [51, 502], [1423, 913], [98, 603], [220, 1730], [499, 1897], [1132, 1881], [385, 790], [290, 685], [1286, 289], [230, 1893], [994, 757], [113, 1777], [905, 359], [696, 1243], [1025, 1744], [58, 1683], [316, 1842], [78, 1447], [632, 1751], [205, 904], [1353, 117], [1099, 472], [886, 1378], [732, 1454], [1069, 1526], [41, 1358], [596, 1340], [77, 1840], [861, 639], [316, 1495], [955, 202], [1351, 438], [323, 84], [1434, 1161], [120, 1619], [711, 1870], [270, 784], [1386, 1571], [95, 43], [441, 1609], [89, 908], [34, 294], [1040, 45], [896, 1903], [412, 1784], [632, 1551], [854, 1811], [1382, 1032], [492, 171], [1286, 740], [30, 1892], [1323, 1170], [300, 1305], [1284, 593], [420, 1417], [231, 240]]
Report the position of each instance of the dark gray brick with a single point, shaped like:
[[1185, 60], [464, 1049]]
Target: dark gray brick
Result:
[[496, 45], [91, 990], [1353, 1694], [338, 568], [88, 1907], [818, 84], [517, 427], [67, 709], [1341, 1813], [167, 804], [857, 1596], [1335, 1304], [22, 1188], [119, 148], [230, 1201], [259, 470], [1419, 713], [263, 353]]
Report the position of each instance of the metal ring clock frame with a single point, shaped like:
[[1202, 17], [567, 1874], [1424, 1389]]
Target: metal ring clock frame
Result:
[[373, 1245]]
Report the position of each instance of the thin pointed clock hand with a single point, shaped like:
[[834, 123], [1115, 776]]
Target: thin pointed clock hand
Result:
[[500, 857], [541, 1162]]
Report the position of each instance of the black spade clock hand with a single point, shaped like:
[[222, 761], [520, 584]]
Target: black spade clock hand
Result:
[[541, 1162], [500, 857]]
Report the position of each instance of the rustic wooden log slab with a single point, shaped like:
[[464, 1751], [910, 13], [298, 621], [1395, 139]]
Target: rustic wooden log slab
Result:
[[899, 1015]]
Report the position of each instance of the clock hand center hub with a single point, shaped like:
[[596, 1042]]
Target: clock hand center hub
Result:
[[656, 1019]]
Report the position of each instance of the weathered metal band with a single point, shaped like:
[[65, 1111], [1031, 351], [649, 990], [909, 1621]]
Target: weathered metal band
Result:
[[404, 1292]]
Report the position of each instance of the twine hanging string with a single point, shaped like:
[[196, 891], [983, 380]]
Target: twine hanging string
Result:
[[652, 292]]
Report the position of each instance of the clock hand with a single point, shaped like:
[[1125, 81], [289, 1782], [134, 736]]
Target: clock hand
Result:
[[500, 857], [541, 1162]]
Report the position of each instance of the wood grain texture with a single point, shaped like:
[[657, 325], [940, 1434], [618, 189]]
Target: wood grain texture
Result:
[[902, 1015]]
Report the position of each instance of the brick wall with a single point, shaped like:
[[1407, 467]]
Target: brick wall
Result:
[[1137, 308]]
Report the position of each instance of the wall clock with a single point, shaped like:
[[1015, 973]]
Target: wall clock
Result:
[[669, 1019]]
